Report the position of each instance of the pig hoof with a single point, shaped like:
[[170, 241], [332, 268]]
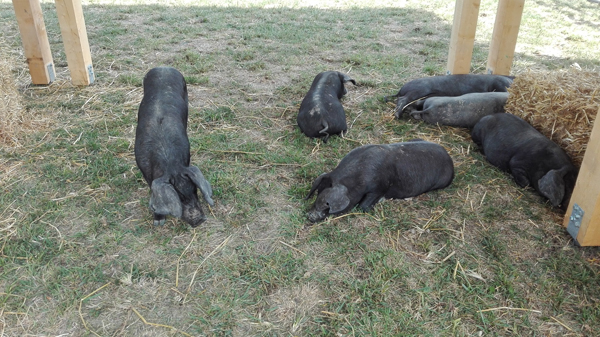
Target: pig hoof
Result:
[[159, 222]]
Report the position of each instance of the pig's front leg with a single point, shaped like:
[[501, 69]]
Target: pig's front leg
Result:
[[368, 201]]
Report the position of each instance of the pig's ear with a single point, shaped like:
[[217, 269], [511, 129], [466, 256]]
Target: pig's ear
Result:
[[552, 186], [164, 199], [322, 182], [196, 176], [338, 199], [345, 78]]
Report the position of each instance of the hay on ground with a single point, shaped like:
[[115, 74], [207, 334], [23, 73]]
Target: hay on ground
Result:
[[562, 105], [11, 109]]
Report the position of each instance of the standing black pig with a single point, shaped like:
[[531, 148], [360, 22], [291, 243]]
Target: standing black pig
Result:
[[447, 85], [513, 145], [462, 111], [321, 112], [162, 149], [371, 172]]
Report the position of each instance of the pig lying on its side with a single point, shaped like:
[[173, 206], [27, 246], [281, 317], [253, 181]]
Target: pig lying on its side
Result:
[[447, 85], [461, 111], [371, 172], [321, 112], [162, 149], [513, 145]]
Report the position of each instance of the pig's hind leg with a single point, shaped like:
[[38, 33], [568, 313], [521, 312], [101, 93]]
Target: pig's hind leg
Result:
[[418, 114]]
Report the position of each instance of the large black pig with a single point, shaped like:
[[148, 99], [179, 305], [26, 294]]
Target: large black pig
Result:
[[321, 112], [162, 149], [447, 85], [462, 111], [372, 172], [511, 144]]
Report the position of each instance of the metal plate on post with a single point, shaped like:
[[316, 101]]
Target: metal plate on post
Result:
[[90, 70], [51, 74], [575, 222]]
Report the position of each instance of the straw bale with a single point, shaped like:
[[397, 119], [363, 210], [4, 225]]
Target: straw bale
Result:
[[562, 105]]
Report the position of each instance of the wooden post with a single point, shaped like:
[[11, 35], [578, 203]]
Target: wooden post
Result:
[[583, 215], [462, 39], [77, 48], [504, 37], [35, 40]]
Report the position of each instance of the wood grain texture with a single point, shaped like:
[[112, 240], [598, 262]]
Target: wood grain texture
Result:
[[35, 40], [462, 39], [504, 36], [587, 193], [74, 34]]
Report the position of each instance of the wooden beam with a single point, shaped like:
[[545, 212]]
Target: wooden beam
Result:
[[504, 37], [585, 228], [74, 34], [466, 13], [35, 40]]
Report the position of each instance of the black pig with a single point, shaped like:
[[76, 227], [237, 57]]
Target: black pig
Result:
[[511, 144], [321, 112], [461, 111], [371, 172], [447, 85], [162, 149]]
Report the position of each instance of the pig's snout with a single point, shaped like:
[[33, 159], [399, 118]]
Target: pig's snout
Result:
[[194, 215], [316, 216], [198, 221]]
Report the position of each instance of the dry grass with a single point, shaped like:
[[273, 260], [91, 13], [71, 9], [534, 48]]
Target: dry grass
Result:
[[12, 123], [561, 104], [17, 121]]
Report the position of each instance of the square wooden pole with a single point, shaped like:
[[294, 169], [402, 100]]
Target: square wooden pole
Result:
[[583, 215], [466, 13], [74, 34], [504, 36], [35, 40]]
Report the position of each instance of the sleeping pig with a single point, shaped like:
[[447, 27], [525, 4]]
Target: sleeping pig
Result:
[[447, 85], [461, 111], [511, 144], [162, 149], [371, 172], [321, 112]]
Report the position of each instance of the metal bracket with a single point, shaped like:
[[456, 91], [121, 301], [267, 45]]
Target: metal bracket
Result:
[[51, 74], [90, 71], [575, 222]]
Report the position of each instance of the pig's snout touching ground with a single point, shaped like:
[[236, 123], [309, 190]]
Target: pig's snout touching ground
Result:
[[193, 214], [316, 215]]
